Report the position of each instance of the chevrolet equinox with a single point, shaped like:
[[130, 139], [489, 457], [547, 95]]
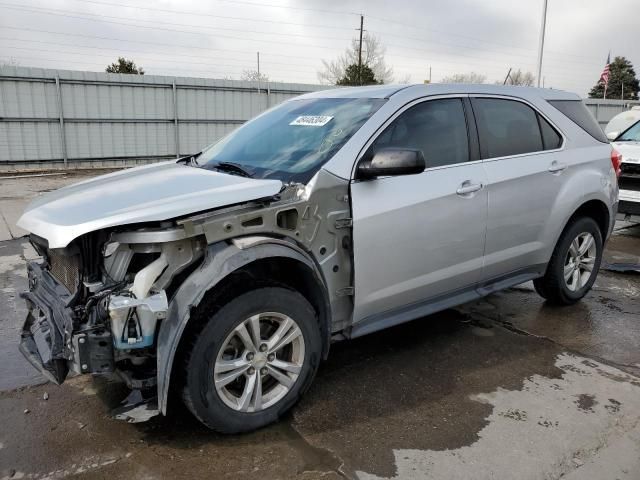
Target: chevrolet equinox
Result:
[[226, 275]]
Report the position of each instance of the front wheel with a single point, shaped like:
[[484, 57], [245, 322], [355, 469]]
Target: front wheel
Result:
[[574, 264], [253, 360]]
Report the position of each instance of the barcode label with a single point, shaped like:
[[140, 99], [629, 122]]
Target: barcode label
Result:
[[312, 120]]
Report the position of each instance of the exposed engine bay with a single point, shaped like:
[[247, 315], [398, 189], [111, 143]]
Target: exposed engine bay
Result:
[[97, 305], [105, 304]]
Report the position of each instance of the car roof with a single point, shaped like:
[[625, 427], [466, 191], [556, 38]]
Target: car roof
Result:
[[372, 91], [420, 90]]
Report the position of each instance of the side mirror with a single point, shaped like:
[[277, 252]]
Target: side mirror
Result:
[[612, 135], [391, 162]]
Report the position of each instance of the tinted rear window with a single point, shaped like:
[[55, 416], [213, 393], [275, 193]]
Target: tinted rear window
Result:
[[581, 116]]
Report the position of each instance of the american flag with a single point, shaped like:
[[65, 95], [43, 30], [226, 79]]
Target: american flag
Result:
[[604, 76]]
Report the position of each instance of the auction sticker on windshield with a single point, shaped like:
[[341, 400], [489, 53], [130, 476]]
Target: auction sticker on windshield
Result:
[[312, 120]]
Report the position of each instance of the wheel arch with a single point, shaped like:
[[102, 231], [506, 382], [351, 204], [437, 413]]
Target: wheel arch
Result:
[[228, 267], [597, 210]]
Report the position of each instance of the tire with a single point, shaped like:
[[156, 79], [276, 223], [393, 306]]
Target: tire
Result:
[[557, 289], [226, 348]]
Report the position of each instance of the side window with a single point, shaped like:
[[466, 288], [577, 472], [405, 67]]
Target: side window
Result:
[[550, 137], [436, 127], [506, 127]]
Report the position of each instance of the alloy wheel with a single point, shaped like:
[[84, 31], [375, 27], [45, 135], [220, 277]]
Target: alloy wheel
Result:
[[580, 261], [259, 362]]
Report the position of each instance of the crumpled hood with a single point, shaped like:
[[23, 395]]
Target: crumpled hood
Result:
[[145, 194], [630, 151]]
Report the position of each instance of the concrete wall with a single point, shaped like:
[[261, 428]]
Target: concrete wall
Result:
[[52, 117]]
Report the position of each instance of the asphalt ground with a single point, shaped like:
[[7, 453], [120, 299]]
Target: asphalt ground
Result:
[[505, 387]]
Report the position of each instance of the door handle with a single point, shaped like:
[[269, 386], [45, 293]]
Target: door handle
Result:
[[467, 188], [556, 167]]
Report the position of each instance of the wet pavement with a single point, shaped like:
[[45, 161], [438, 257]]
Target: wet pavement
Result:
[[506, 387]]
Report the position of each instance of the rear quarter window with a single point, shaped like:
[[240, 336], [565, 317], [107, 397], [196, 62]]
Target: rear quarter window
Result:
[[550, 137], [579, 114]]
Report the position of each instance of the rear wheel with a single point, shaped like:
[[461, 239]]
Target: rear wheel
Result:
[[574, 264], [253, 360]]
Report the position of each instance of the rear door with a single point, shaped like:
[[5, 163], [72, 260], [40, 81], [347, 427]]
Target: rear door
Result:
[[525, 166], [418, 237]]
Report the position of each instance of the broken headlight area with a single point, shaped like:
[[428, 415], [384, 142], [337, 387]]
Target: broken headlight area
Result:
[[95, 307]]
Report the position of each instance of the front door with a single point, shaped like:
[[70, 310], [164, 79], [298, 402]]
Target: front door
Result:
[[420, 237]]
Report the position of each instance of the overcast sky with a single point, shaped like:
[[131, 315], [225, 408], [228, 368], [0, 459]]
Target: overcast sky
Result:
[[219, 38]]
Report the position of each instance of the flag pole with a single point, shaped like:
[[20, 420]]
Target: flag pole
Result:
[[541, 43]]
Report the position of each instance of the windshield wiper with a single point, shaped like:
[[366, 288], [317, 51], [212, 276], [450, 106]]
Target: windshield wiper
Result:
[[231, 167]]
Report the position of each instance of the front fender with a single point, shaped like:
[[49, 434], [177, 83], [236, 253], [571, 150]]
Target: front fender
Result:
[[220, 260]]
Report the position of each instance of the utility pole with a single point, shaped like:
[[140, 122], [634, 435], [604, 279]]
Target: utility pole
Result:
[[258, 64], [360, 51], [507, 77], [541, 45]]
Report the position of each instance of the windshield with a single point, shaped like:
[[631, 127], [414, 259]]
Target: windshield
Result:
[[292, 141], [631, 135]]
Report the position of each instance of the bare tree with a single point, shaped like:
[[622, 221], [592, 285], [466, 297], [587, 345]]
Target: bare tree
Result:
[[519, 77], [372, 56], [254, 76], [471, 77], [10, 62], [404, 80]]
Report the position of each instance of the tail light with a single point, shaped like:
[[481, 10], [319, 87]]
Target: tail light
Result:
[[616, 160]]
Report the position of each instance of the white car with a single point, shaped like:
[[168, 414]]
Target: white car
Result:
[[624, 132]]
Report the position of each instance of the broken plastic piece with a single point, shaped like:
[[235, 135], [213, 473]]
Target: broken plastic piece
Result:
[[623, 267], [136, 408]]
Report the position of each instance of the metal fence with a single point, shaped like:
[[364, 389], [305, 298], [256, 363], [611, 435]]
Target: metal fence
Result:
[[605, 110], [51, 118], [61, 117]]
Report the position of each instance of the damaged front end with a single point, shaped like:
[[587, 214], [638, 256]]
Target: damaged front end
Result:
[[95, 307], [117, 301]]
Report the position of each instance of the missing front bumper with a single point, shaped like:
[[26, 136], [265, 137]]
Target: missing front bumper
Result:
[[44, 339]]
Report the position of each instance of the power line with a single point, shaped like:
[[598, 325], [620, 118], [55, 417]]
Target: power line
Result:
[[73, 14], [324, 47], [385, 33], [141, 52], [174, 45], [167, 68], [54, 12], [246, 66], [475, 39], [203, 14]]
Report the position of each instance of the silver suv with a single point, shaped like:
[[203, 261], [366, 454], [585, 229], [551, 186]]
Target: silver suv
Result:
[[226, 275]]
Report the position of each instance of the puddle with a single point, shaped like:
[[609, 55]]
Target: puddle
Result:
[[547, 429]]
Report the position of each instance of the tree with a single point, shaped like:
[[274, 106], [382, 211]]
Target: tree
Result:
[[353, 78], [11, 62], [254, 76], [621, 73], [471, 77], [372, 57], [525, 79], [124, 66]]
